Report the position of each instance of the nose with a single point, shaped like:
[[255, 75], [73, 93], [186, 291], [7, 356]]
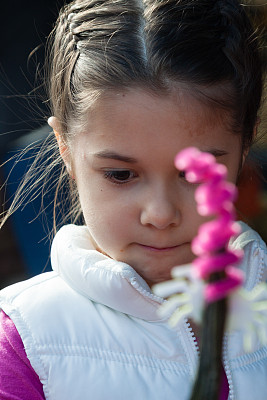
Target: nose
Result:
[[160, 209]]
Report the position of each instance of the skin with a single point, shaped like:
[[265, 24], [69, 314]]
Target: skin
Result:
[[139, 209]]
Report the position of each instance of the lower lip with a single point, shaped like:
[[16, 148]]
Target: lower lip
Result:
[[159, 250]]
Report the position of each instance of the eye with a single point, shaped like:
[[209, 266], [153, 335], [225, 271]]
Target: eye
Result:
[[182, 175], [120, 176]]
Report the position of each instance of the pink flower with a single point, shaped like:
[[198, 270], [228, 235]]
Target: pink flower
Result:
[[214, 236], [218, 289], [209, 263], [213, 196]]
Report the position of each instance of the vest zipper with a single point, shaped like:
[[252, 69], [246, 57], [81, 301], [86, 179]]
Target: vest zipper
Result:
[[192, 348], [259, 273], [227, 367]]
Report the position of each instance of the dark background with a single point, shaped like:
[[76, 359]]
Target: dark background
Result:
[[25, 26]]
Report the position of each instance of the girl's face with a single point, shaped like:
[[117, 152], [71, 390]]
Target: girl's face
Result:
[[138, 207]]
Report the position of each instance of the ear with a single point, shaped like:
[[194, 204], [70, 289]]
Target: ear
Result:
[[63, 147]]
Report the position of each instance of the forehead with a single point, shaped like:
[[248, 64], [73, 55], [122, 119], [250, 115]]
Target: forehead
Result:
[[181, 100], [139, 119]]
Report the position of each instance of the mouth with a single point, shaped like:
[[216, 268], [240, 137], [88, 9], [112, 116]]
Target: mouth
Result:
[[160, 249]]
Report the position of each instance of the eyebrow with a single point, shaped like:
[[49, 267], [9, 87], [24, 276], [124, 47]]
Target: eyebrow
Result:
[[217, 153], [110, 155], [105, 154]]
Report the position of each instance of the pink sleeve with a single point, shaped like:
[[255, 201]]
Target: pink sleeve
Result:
[[18, 380], [224, 387]]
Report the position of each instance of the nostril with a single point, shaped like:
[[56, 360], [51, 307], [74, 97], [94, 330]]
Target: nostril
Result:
[[160, 218]]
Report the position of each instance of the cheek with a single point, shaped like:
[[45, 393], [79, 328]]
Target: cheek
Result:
[[105, 214], [191, 218], [109, 230], [194, 220]]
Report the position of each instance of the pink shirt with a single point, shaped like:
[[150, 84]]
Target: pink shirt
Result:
[[18, 380]]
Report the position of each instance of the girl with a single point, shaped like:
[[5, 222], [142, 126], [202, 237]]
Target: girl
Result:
[[131, 84]]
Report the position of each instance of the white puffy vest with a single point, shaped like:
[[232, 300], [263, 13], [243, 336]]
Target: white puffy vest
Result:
[[91, 329]]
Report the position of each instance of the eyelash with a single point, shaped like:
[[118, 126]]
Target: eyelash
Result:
[[111, 176], [182, 175]]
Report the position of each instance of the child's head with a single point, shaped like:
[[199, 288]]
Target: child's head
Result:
[[132, 84]]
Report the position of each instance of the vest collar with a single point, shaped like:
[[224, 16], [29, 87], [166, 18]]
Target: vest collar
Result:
[[100, 278], [116, 284]]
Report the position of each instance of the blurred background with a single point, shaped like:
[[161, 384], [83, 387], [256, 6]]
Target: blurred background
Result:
[[26, 236]]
